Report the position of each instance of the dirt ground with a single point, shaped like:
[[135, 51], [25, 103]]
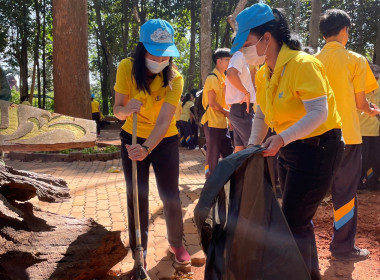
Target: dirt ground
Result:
[[368, 236]]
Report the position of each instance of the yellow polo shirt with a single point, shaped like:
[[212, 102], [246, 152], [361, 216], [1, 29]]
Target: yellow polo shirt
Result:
[[214, 118], [185, 114], [297, 77], [370, 126], [94, 106], [348, 73], [152, 103], [178, 111]]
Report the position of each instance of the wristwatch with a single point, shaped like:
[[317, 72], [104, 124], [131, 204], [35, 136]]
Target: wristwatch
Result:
[[147, 149]]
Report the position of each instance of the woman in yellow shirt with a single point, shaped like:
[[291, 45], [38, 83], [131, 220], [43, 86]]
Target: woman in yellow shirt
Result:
[[148, 85], [185, 122], [293, 98]]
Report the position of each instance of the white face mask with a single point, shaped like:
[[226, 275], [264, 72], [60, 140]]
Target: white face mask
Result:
[[251, 56], [154, 66]]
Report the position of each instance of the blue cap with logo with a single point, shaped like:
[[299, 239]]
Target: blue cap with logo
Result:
[[249, 18], [157, 35]]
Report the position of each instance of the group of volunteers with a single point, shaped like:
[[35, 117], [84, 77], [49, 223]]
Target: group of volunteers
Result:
[[309, 104]]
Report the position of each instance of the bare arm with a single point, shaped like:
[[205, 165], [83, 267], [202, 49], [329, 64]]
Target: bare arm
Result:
[[124, 107], [215, 105], [137, 151], [363, 105], [162, 125], [233, 77]]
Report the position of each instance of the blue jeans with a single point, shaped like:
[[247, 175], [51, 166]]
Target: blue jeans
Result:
[[306, 171]]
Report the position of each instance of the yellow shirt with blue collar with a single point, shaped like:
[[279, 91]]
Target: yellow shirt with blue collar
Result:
[[297, 77], [152, 103]]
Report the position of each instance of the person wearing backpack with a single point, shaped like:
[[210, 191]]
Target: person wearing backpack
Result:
[[214, 120]]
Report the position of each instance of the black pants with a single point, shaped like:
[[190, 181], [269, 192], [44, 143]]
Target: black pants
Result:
[[96, 118], [186, 134], [306, 170], [165, 161], [218, 145]]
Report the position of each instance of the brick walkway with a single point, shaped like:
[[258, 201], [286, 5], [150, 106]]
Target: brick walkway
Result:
[[98, 194]]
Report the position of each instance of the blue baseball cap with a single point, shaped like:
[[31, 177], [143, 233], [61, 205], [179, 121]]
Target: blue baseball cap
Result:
[[92, 95], [157, 35], [249, 18]]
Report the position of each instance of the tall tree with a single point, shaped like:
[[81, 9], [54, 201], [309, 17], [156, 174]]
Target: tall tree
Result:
[[36, 49], [70, 58], [376, 56], [106, 48], [206, 52], [316, 10], [193, 30]]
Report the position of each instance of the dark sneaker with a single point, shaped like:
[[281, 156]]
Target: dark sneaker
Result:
[[356, 254]]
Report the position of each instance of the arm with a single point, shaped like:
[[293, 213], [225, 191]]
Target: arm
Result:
[[259, 128], [363, 105], [215, 105], [124, 107], [137, 152], [233, 77], [316, 114]]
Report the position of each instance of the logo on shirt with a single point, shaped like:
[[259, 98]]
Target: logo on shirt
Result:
[[158, 98], [281, 94]]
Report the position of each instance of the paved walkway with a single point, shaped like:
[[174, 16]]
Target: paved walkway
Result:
[[96, 193]]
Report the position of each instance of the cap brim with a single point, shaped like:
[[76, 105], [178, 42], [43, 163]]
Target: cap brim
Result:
[[239, 41], [162, 49]]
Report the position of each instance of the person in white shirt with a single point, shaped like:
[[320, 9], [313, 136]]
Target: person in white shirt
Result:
[[240, 96]]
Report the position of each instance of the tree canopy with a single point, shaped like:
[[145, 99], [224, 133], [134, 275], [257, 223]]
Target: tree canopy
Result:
[[26, 36]]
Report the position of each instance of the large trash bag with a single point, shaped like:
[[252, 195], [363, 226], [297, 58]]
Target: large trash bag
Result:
[[241, 226]]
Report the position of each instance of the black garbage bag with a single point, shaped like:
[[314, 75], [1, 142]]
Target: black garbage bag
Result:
[[241, 226]]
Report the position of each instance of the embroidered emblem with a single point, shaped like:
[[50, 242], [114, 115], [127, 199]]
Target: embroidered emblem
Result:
[[281, 94], [161, 36], [158, 98]]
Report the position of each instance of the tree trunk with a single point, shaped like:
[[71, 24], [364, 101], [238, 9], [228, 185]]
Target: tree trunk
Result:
[[70, 58], [126, 20], [107, 52], [297, 17], [316, 10], [41, 245], [44, 56], [24, 54], [36, 50], [102, 65], [193, 30], [239, 7], [376, 58], [206, 52]]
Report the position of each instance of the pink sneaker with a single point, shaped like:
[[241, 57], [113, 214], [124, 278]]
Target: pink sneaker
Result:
[[180, 254]]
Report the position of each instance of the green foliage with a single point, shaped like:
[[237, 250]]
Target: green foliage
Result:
[[19, 15], [94, 150]]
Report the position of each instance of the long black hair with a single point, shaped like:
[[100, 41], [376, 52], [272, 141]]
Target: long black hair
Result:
[[139, 70], [279, 28], [186, 98]]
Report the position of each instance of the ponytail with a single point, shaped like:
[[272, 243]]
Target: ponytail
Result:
[[279, 28]]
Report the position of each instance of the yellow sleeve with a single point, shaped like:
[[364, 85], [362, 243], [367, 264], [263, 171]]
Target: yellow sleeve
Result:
[[123, 77], [370, 83], [260, 86], [360, 75], [212, 83], [174, 94], [310, 81]]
